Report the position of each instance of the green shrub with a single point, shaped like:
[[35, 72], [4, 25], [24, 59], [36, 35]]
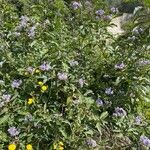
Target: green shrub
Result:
[[63, 86]]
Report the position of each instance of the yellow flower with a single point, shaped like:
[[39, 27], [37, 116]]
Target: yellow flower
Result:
[[29, 147], [11, 147], [44, 88], [54, 146], [61, 148], [61, 143], [37, 71], [40, 83], [30, 101]]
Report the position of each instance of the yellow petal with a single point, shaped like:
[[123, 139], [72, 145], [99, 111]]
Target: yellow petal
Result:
[[29, 147], [40, 83], [61, 143], [11, 147]]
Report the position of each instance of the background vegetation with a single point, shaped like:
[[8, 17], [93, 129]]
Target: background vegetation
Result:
[[64, 85]]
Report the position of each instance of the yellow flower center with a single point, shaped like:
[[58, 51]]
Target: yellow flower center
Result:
[[37, 71], [44, 88], [29, 147], [40, 83], [11, 147], [30, 101]]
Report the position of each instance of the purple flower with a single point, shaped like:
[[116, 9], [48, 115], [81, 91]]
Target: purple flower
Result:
[[114, 10], [137, 30], [138, 120], [81, 82], [62, 76], [100, 12], [109, 91], [140, 30], [144, 62], [73, 63], [45, 67], [6, 97], [120, 66], [119, 112], [91, 143], [31, 32], [99, 102], [76, 5], [107, 17], [145, 141], [13, 131], [30, 69], [23, 22], [16, 83]]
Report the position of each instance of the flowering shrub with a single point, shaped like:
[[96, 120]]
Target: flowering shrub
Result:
[[64, 85]]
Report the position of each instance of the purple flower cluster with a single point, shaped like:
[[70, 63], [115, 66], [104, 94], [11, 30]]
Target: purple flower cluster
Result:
[[62, 76], [119, 112], [114, 10], [109, 91], [13, 131], [144, 62], [137, 30], [31, 32], [99, 102], [145, 141], [16, 83], [91, 143], [23, 22], [107, 17], [138, 120], [5, 99], [120, 66], [45, 67], [100, 12], [76, 5]]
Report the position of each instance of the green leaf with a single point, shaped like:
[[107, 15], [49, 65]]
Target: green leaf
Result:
[[63, 133], [69, 100], [4, 119], [3, 136], [98, 126], [104, 115]]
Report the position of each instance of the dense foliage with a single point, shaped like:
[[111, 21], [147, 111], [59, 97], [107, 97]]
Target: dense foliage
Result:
[[66, 83]]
